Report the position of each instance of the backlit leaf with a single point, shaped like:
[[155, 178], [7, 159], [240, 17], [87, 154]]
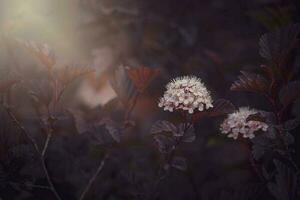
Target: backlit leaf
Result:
[[42, 52], [142, 76], [123, 86], [68, 74]]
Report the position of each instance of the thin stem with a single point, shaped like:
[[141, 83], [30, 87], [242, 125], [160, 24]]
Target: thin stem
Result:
[[32, 141], [255, 167], [93, 178], [131, 107], [277, 111], [49, 179], [49, 135], [187, 125], [23, 130], [31, 185], [193, 183]]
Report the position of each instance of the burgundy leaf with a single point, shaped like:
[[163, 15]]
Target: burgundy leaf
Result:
[[256, 117], [250, 82], [163, 126], [179, 163], [123, 86], [220, 107], [289, 93], [142, 76], [276, 46], [164, 144]]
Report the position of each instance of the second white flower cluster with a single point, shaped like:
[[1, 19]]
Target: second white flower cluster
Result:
[[188, 93]]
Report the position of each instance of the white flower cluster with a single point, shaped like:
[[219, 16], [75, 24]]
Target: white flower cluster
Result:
[[236, 123], [186, 93]]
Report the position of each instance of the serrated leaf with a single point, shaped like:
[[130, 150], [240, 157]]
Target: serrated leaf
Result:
[[43, 52], [81, 124], [285, 185], [112, 129], [289, 93], [256, 117], [164, 144], [189, 135], [69, 74], [258, 151], [220, 107], [261, 145], [288, 138], [163, 126], [291, 124], [41, 92], [123, 86], [271, 132], [250, 82], [276, 46], [179, 163], [142, 76]]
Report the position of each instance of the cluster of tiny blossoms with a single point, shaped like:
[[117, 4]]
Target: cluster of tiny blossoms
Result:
[[186, 93], [236, 123]]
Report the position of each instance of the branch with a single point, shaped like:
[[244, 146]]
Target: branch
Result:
[[31, 185], [32, 141], [46, 144], [93, 178]]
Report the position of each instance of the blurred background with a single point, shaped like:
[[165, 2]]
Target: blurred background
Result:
[[213, 40]]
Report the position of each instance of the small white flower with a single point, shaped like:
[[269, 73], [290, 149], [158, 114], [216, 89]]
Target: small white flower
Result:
[[187, 93], [236, 123]]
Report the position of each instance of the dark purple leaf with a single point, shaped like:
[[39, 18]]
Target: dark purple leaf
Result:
[[188, 135], [220, 107], [250, 82], [288, 138], [256, 117], [179, 163], [289, 93], [286, 182], [291, 124], [163, 126], [112, 129], [276, 46], [164, 144], [123, 86], [261, 145]]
